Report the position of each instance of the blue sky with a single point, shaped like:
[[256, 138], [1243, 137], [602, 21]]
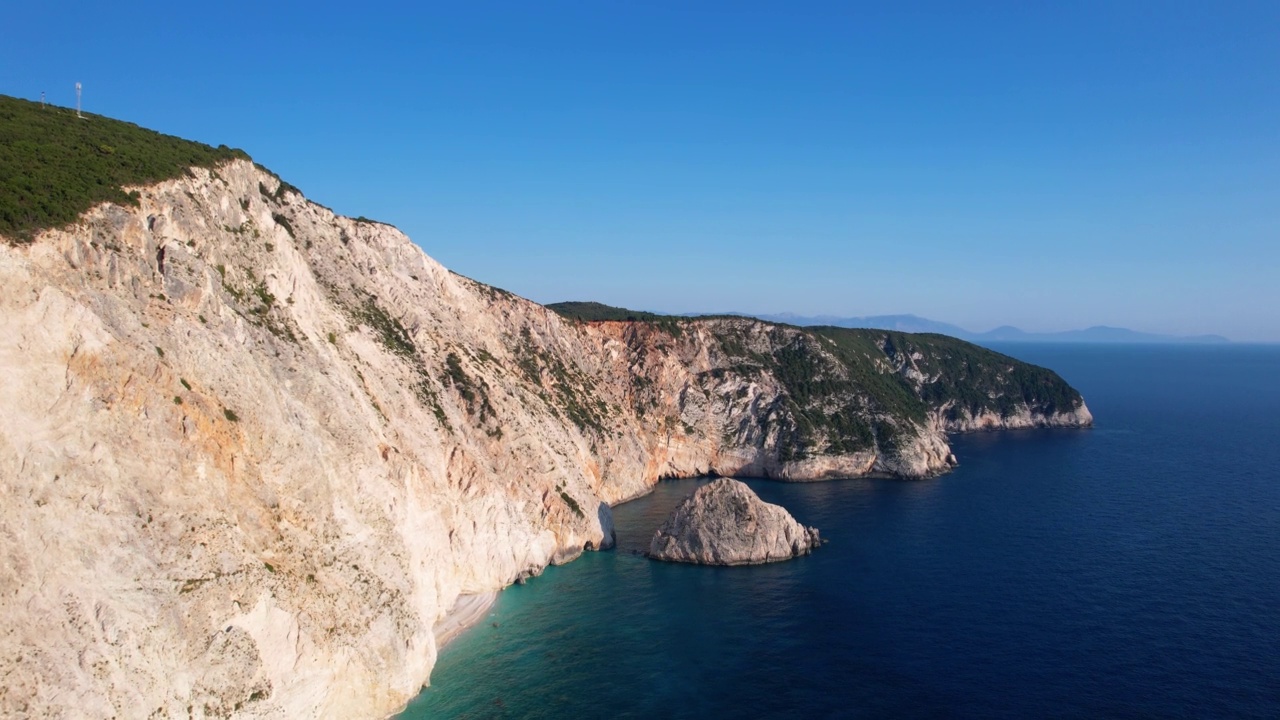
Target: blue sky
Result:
[[1046, 165]]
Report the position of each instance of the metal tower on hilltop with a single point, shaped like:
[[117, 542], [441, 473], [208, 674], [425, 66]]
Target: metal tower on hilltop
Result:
[[78, 102]]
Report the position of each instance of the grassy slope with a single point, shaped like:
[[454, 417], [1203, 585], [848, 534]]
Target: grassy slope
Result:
[[54, 166]]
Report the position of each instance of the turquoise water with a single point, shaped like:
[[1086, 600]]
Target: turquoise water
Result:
[[1131, 570]]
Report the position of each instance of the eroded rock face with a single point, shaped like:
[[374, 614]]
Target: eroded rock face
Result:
[[725, 523], [965, 421], [252, 451]]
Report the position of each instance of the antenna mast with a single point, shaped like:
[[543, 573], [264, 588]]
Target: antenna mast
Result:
[[78, 102]]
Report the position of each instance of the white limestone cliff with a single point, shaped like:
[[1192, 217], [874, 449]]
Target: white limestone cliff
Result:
[[966, 421], [251, 452]]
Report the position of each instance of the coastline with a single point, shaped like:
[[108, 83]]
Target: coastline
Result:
[[467, 611], [470, 609]]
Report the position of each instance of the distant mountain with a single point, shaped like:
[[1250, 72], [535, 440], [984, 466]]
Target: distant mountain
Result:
[[1005, 333], [901, 323], [1095, 334]]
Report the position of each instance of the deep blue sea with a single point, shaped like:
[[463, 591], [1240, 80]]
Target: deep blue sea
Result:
[[1127, 571]]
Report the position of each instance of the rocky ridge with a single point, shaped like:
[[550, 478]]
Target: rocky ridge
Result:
[[725, 523], [252, 451]]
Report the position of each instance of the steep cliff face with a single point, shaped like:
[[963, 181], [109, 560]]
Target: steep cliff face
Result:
[[968, 388], [739, 397], [252, 451]]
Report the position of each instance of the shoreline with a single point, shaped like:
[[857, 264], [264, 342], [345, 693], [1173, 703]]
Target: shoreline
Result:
[[467, 610]]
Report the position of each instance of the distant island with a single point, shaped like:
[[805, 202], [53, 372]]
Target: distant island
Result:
[[1004, 333]]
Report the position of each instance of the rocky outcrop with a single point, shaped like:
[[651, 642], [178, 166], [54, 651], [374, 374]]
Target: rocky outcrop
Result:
[[725, 523], [949, 419], [968, 388], [252, 452]]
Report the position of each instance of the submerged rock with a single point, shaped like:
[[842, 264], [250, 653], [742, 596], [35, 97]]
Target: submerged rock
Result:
[[725, 523]]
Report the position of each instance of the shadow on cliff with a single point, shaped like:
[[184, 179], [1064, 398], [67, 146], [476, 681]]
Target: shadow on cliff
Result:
[[609, 538]]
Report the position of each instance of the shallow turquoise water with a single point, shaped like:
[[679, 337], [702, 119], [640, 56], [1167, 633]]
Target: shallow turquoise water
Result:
[[1132, 570]]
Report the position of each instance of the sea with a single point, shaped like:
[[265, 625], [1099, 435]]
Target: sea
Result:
[[1131, 570]]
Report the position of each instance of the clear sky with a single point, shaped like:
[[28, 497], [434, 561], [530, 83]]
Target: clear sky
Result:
[[1046, 165]]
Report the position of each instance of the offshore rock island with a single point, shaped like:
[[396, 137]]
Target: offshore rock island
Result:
[[252, 451], [725, 523]]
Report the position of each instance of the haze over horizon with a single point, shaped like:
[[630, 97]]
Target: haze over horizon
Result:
[[813, 319], [1048, 168], [913, 323]]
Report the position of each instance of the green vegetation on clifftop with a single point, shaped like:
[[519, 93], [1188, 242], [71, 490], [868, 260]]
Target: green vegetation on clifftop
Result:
[[974, 378], [597, 312], [55, 166]]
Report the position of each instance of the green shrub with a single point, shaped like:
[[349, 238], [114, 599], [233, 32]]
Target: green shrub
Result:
[[55, 166], [573, 504], [596, 312]]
